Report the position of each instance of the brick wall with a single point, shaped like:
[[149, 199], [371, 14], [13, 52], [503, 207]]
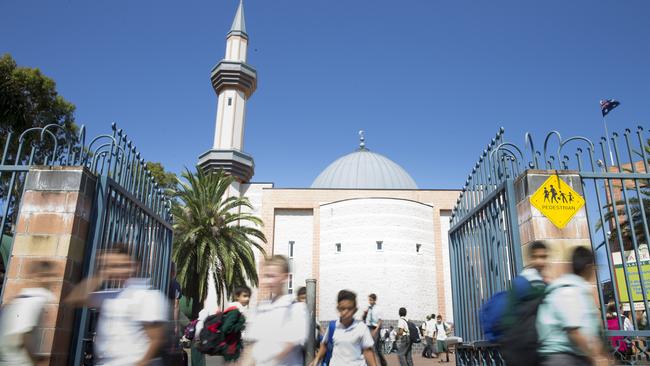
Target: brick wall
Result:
[[53, 224]]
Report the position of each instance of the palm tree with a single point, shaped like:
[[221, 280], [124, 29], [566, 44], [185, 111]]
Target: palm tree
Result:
[[213, 237]]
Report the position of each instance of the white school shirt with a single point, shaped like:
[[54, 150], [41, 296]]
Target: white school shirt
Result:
[[431, 328], [349, 343], [121, 338], [373, 316], [274, 324], [442, 332], [19, 317]]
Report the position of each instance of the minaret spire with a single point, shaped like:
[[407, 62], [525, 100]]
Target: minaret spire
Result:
[[234, 81], [239, 23]]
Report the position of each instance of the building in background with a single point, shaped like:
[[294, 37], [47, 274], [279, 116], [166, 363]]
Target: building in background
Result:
[[363, 225]]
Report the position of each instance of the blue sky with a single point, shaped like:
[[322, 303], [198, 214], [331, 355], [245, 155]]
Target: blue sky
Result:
[[429, 81]]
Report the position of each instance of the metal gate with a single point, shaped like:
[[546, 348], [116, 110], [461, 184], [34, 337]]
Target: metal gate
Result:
[[485, 248], [129, 207]]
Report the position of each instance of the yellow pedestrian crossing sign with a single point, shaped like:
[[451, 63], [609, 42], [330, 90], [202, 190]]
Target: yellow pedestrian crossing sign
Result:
[[557, 201]]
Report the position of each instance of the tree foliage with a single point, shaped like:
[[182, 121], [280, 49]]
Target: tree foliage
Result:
[[166, 180], [29, 99], [213, 236]]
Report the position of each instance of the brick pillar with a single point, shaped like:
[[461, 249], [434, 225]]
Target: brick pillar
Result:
[[53, 224], [535, 226]]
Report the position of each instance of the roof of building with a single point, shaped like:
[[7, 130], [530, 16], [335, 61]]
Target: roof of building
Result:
[[364, 169]]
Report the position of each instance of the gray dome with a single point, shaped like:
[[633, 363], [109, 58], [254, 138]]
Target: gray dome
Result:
[[364, 169]]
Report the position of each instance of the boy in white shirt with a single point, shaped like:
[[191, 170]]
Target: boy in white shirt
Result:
[[352, 343], [21, 317], [131, 329], [404, 345], [441, 337], [278, 327]]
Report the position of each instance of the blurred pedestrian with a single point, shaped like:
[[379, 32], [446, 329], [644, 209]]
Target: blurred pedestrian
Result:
[[301, 295], [133, 317], [372, 317], [351, 341], [278, 327], [429, 331], [441, 333], [392, 338], [519, 338], [568, 320], [618, 342], [404, 345], [21, 317]]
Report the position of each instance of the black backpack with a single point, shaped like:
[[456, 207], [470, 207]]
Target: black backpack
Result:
[[414, 333], [519, 340]]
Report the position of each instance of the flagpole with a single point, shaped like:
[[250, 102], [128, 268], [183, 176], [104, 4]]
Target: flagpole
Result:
[[609, 146]]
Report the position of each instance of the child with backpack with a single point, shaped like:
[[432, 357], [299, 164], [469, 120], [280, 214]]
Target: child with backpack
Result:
[[221, 333], [568, 321], [440, 334], [349, 339], [509, 317], [407, 334]]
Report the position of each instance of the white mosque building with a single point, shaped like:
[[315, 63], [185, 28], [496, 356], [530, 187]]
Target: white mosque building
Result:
[[363, 225]]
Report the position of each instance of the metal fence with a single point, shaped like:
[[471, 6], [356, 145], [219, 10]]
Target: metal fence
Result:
[[129, 207], [616, 185], [51, 145], [481, 237]]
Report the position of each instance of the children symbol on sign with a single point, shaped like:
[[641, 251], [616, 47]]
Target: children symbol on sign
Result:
[[570, 197], [546, 193], [563, 197], [553, 194]]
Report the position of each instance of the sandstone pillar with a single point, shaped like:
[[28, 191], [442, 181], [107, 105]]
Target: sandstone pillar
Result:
[[53, 224], [533, 225]]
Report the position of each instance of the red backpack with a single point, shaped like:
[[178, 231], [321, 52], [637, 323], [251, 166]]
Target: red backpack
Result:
[[221, 334]]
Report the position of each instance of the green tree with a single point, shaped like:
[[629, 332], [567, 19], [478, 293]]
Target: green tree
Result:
[[212, 236], [29, 99], [166, 180]]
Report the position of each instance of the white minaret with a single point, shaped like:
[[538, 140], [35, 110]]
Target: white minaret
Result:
[[234, 82]]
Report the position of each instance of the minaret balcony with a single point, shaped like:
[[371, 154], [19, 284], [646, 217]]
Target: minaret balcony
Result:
[[233, 74]]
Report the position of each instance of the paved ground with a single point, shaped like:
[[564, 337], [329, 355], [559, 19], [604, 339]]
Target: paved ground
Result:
[[419, 361], [392, 361]]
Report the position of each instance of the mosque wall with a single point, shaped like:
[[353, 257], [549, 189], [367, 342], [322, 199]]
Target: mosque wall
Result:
[[444, 241], [399, 271], [254, 191], [319, 201], [293, 238]]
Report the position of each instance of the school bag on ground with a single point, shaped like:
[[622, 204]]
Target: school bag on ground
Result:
[[330, 343], [414, 333], [221, 334]]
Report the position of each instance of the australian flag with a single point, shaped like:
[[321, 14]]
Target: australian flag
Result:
[[606, 105]]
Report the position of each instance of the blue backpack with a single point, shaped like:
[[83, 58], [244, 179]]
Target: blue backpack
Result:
[[491, 314], [497, 313], [330, 346]]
